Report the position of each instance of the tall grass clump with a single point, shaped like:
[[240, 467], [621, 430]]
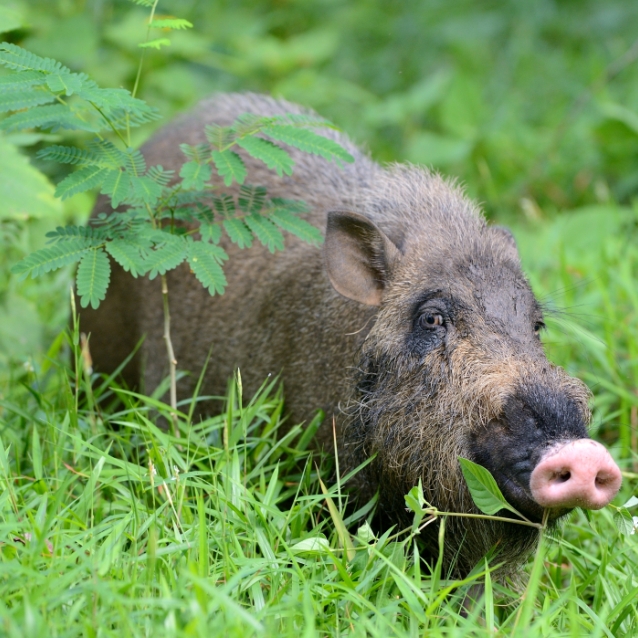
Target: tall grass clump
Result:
[[111, 525]]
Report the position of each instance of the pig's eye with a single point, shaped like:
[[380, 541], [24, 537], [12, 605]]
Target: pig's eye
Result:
[[431, 320], [538, 327]]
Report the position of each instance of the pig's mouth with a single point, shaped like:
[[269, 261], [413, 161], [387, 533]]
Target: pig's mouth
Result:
[[518, 494]]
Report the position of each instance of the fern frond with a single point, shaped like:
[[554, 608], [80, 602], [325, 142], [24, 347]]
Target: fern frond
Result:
[[267, 233], [309, 142], [224, 205], [220, 137], [24, 99], [293, 205], [117, 185], [22, 80], [67, 83], [53, 116], [80, 181], [166, 256], [273, 156], [171, 23], [52, 257], [199, 153], [145, 190], [230, 166], [19, 59], [113, 156], [295, 225], [159, 175], [251, 198], [204, 260], [68, 232], [210, 232], [195, 175], [118, 104], [238, 232], [155, 44], [302, 120], [93, 276], [135, 162], [127, 254], [182, 198], [72, 155]]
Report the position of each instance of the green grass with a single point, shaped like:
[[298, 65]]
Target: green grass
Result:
[[111, 526]]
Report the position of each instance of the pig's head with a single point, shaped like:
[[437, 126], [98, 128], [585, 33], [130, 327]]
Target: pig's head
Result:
[[454, 366]]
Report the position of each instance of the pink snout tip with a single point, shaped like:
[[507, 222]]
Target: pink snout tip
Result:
[[578, 474]]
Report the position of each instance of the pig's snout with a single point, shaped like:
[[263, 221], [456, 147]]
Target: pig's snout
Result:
[[578, 474]]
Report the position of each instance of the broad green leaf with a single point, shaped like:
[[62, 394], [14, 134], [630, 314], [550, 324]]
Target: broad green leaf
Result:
[[270, 154], [229, 166], [238, 232], [309, 142], [195, 175], [313, 545], [80, 181], [625, 522], [295, 225], [267, 233], [11, 18], [485, 492], [52, 257], [204, 260], [94, 273], [25, 192]]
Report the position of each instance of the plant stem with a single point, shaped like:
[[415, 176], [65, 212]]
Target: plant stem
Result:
[[172, 362]]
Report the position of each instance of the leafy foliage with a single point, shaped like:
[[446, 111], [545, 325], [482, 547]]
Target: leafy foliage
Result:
[[137, 238]]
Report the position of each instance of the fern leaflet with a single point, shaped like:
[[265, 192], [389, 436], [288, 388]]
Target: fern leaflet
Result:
[[273, 156], [309, 142], [52, 257], [230, 166], [238, 232], [251, 198], [94, 273], [80, 181], [24, 99], [267, 233], [295, 225], [195, 175], [171, 23], [205, 260]]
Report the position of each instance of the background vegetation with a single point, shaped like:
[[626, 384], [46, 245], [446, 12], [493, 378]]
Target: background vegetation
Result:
[[534, 106]]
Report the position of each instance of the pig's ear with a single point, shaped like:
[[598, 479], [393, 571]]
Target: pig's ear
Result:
[[358, 257], [506, 241]]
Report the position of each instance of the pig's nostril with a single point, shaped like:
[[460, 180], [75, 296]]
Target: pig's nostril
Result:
[[563, 476]]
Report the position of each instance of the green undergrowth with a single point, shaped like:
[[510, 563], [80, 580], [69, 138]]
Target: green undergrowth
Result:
[[111, 526]]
